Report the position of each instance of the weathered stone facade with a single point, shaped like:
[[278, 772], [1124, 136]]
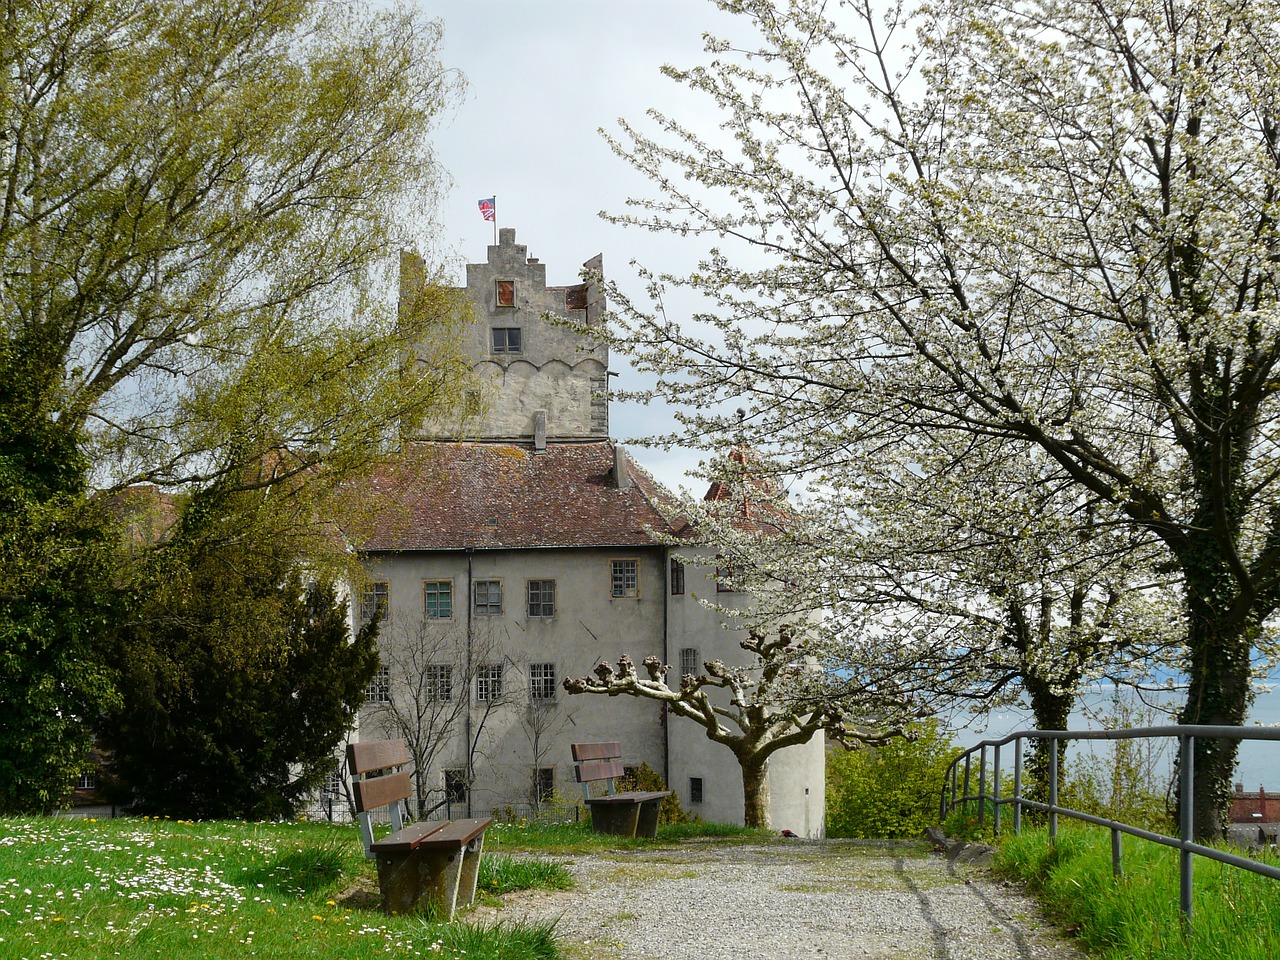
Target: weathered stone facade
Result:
[[543, 535]]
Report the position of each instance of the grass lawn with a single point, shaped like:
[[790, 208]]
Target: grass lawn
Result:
[[1235, 914], [173, 889]]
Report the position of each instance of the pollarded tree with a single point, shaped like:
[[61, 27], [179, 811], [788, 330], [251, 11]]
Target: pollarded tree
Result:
[[781, 700], [1046, 223]]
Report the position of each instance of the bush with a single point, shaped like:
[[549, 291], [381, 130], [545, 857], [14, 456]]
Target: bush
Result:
[[644, 777], [889, 791]]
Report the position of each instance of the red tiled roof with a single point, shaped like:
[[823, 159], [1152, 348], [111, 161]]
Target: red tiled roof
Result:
[[452, 495]]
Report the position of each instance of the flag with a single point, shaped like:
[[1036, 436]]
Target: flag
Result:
[[487, 208]]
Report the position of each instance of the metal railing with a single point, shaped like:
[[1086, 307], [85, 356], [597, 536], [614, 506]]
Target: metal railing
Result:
[[1184, 842]]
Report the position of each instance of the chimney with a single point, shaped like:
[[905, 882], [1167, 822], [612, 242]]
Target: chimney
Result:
[[540, 431], [621, 473]]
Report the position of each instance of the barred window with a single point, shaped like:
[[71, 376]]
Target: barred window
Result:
[[690, 662], [488, 598], [695, 790], [438, 682], [437, 599], [373, 602], [489, 682], [542, 598], [455, 786], [542, 681], [379, 688], [625, 577]]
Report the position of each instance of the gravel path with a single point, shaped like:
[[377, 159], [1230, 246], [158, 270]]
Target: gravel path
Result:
[[799, 899]]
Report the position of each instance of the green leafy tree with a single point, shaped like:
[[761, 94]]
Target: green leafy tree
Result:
[[1042, 228], [890, 790], [238, 678], [200, 205], [56, 601], [199, 201]]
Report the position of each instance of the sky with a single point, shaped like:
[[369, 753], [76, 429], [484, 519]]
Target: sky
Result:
[[542, 79]]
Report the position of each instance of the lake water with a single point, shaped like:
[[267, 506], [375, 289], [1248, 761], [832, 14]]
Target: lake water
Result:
[[1259, 761]]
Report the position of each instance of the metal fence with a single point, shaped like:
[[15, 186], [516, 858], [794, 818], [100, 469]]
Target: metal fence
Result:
[[955, 795]]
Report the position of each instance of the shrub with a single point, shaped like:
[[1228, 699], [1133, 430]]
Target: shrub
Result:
[[644, 777], [889, 791]]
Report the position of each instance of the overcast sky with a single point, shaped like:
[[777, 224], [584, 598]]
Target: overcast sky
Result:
[[542, 79]]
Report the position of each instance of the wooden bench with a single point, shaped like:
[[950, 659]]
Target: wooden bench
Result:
[[434, 862], [630, 814]]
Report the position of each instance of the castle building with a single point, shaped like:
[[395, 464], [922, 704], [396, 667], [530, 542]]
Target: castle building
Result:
[[523, 546]]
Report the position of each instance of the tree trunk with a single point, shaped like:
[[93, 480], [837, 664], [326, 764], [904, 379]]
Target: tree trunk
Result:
[[1052, 711], [755, 798], [1219, 693]]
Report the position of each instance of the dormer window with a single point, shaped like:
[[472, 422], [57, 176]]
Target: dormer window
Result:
[[505, 293], [506, 340]]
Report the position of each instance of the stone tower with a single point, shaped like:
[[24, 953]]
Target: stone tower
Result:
[[539, 381]]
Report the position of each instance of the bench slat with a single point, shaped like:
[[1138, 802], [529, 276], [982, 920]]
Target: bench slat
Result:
[[375, 755], [598, 770], [609, 750], [380, 791], [456, 833], [633, 797], [409, 837]]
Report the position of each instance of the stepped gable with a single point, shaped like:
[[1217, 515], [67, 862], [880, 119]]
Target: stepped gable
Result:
[[489, 496]]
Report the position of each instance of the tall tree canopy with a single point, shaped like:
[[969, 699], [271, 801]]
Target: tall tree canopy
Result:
[[195, 201], [200, 204], [1045, 224]]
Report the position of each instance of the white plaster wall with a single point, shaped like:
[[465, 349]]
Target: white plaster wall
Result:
[[796, 775], [589, 625]]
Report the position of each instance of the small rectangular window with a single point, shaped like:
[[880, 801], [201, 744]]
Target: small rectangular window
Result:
[[542, 681], [695, 790], [677, 577], [504, 293], [542, 598], [489, 682], [455, 786], [379, 688], [625, 577], [87, 781], [488, 598], [437, 599], [506, 340], [373, 601], [437, 681], [690, 662]]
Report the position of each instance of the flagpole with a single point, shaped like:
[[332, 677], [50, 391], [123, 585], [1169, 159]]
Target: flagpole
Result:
[[495, 219]]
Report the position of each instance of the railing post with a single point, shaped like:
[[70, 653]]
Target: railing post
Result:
[[982, 787], [968, 760], [1116, 869], [995, 790], [1017, 786], [1053, 788], [1186, 786]]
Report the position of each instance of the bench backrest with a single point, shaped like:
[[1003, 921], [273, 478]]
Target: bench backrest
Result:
[[596, 762], [372, 762]]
